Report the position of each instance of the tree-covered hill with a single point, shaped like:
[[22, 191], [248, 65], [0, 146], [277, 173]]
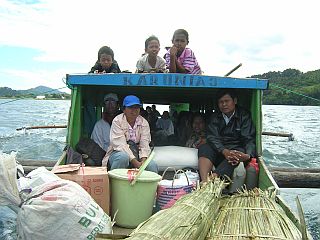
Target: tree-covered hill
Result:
[[49, 93], [292, 87]]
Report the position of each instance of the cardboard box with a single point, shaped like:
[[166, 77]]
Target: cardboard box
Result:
[[94, 180]]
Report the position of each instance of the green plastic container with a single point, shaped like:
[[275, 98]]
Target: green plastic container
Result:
[[133, 202]]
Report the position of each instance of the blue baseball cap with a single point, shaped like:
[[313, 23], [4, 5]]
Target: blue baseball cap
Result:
[[131, 100]]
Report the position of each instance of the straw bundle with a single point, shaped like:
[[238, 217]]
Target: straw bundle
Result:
[[252, 215], [189, 218]]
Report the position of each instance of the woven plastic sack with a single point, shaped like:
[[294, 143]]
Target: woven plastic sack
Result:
[[9, 194], [169, 191], [61, 210]]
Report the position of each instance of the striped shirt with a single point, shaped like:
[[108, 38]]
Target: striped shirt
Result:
[[188, 61]]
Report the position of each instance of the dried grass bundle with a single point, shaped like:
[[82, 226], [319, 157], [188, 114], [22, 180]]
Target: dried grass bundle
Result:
[[252, 215], [190, 217]]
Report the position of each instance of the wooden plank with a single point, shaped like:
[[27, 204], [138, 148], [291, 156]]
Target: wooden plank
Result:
[[293, 169], [38, 163], [302, 220], [297, 179]]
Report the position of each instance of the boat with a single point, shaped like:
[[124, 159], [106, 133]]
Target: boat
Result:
[[196, 92]]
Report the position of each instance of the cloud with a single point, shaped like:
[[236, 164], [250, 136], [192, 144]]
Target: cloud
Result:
[[264, 36]]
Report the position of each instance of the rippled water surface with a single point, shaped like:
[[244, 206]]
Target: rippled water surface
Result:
[[302, 122]]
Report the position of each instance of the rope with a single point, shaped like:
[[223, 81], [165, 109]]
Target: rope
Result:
[[145, 233], [249, 236], [26, 98], [198, 209], [294, 92], [248, 208]]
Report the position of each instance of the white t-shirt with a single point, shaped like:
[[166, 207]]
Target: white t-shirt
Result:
[[101, 134], [166, 125], [143, 64]]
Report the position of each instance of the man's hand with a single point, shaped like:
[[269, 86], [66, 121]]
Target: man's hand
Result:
[[234, 157], [243, 157]]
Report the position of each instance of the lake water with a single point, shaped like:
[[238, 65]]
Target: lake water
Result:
[[302, 122]]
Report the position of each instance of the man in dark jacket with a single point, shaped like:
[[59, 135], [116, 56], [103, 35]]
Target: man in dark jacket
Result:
[[230, 138]]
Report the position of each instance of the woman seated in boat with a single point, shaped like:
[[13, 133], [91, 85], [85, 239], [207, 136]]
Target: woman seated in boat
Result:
[[129, 138], [230, 138], [179, 58], [150, 61], [198, 135], [105, 62]]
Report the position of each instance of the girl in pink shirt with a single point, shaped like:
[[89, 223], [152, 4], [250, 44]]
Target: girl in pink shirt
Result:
[[180, 59]]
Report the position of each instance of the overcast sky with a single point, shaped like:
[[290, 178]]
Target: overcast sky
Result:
[[42, 41]]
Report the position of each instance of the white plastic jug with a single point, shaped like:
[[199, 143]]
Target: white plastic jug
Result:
[[238, 178]]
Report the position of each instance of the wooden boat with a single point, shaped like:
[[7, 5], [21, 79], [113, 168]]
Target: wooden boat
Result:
[[198, 91]]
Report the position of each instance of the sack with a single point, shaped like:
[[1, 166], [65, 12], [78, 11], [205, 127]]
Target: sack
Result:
[[73, 157], [94, 152], [61, 210], [169, 191], [35, 179], [9, 194], [176, 157]]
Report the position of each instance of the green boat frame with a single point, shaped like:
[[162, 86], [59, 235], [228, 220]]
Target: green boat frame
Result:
[[198, 91]]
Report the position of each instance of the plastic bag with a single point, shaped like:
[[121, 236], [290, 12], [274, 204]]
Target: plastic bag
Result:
[[61, 210], [9, 194], [170, 156]]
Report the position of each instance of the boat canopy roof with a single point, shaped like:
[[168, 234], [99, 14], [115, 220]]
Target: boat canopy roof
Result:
[[183, 92], [162, 88]]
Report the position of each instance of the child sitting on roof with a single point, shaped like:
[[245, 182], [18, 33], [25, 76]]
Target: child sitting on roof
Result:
[[151, 62], [105, 62], [179, 58]]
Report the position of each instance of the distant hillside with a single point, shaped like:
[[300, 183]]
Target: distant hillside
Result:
[[40, 90], [32, 93], [8, 92], [289, 86]]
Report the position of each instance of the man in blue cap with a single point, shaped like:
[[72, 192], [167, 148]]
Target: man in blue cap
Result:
[[129, 138]]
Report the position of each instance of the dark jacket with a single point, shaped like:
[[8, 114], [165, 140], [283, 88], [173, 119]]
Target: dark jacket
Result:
[[239, 133], [113, 69]]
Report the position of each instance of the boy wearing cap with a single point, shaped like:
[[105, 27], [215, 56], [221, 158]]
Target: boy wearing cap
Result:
[[101, 130], [129, 138]]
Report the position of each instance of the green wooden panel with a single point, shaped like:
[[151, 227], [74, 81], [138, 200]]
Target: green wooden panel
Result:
[[74, 129], [265, 178]]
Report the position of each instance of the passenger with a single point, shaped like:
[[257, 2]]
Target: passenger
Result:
[[151, 118], [105, 62], [155, 111], [129, 138], [164, 130], [184, 127], [198, 135], [151, 62], [179, 58], [230, 138], [101, 130], [164, 123]]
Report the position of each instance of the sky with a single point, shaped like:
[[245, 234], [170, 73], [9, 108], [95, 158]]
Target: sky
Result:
[[43, 40]]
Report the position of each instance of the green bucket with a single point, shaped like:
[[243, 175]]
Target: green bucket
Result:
[[134, 203]]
